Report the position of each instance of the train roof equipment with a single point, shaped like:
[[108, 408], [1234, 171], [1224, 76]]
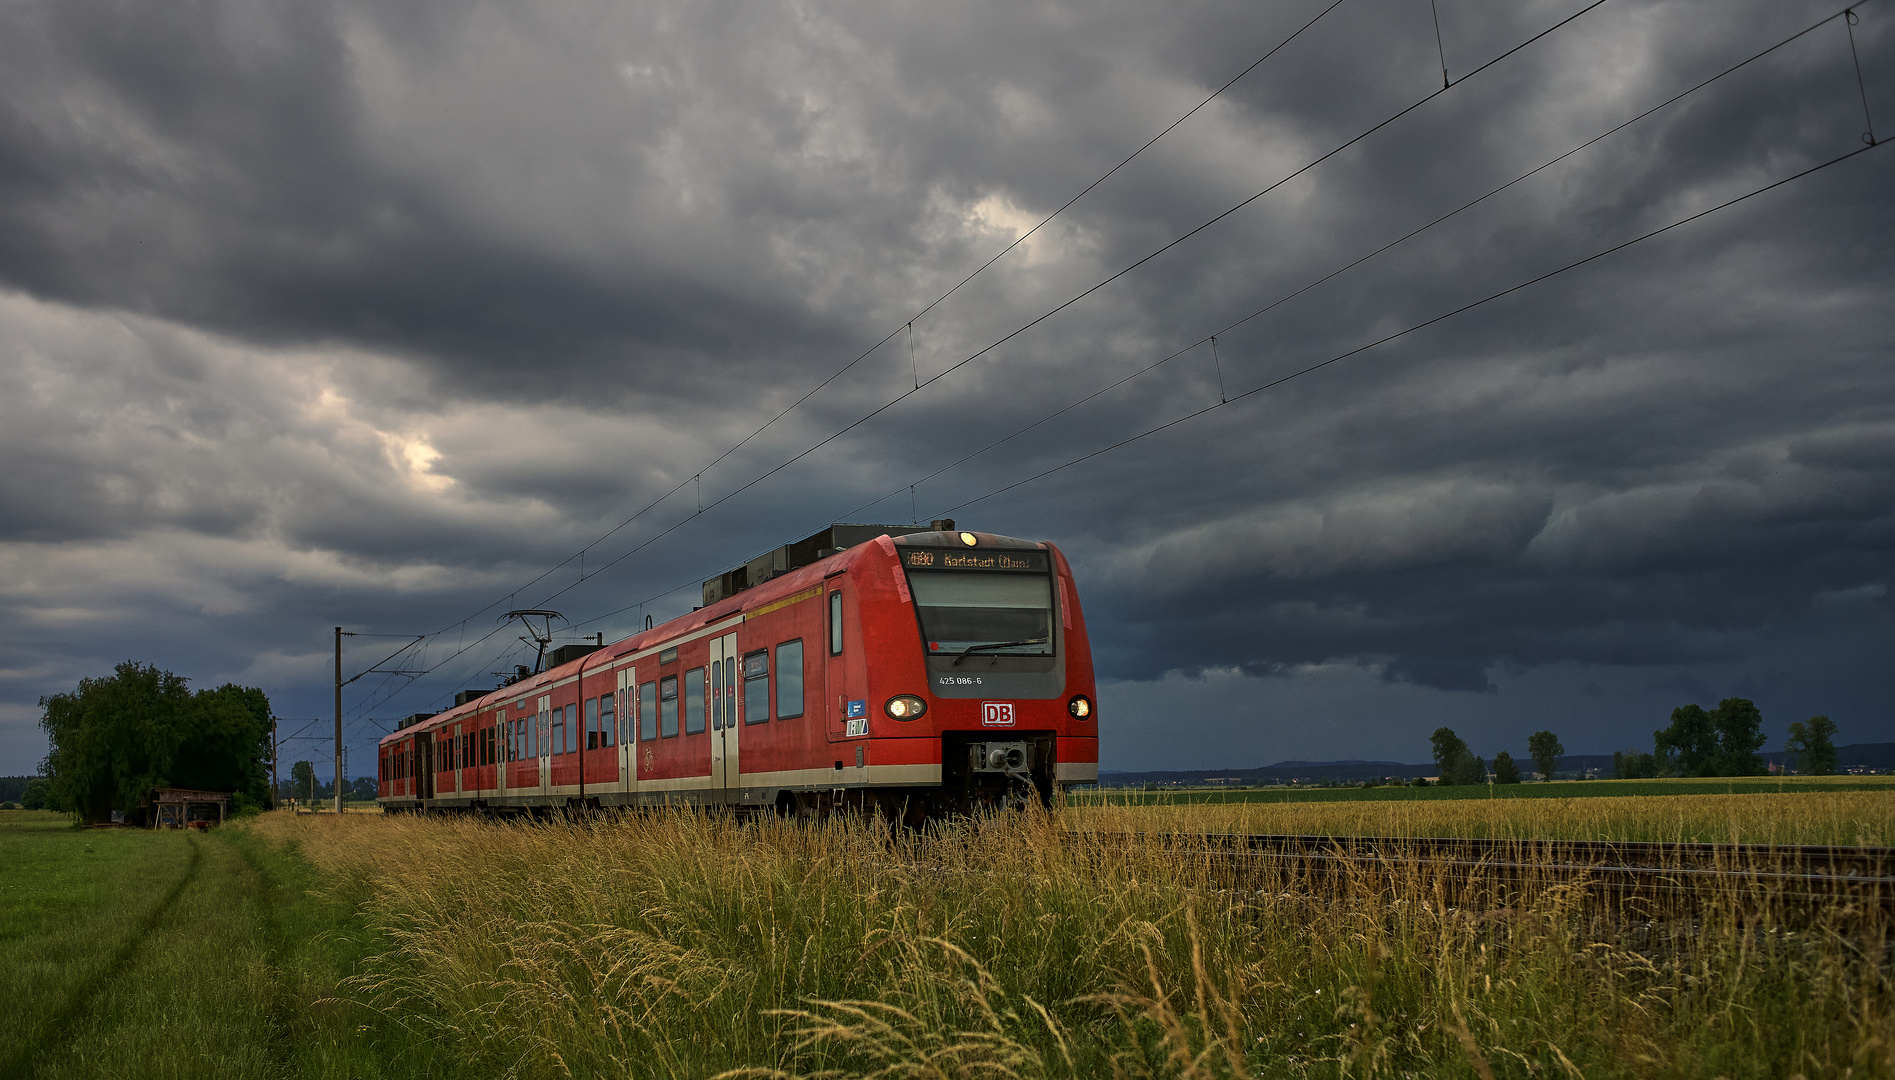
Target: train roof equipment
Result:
[[781, 560]]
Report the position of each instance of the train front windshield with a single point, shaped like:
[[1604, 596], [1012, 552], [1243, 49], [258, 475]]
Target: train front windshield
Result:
[[984, 614]]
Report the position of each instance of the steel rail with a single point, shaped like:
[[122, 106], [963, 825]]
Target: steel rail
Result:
[[1650, 868]]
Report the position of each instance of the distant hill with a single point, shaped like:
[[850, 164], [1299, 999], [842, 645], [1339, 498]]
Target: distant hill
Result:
[[1281, 772], [1353, 771]]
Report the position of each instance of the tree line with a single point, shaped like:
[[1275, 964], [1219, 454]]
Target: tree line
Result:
[[1725, 742], [1719, 742], [116, 739], [1456, 764], [302, 784]]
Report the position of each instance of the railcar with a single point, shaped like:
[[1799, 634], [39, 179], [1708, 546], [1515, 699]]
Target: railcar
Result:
[[917, 671]]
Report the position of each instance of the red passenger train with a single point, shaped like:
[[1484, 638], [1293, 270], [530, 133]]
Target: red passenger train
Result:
[[918, 671]]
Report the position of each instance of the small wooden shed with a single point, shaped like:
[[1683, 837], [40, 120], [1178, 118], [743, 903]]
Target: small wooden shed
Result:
[[178, 808]]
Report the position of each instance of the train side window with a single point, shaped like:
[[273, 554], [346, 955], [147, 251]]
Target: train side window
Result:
[[592, 723], [558, 731], [668, 706], [694, 701], [608, 721], [533, 735], [648, 711], [489, 744], [835, 624], [757, 687], [789, 679]]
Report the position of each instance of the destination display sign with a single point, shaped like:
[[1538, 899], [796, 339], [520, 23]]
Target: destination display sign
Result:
[[953, 559]]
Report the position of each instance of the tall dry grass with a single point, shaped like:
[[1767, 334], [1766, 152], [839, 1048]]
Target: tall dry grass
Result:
[[696, 945]]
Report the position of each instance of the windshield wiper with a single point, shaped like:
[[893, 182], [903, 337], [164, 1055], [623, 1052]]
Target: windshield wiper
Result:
[[995, 645]]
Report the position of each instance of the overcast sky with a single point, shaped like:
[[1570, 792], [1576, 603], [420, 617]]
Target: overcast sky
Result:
[[369, 314]]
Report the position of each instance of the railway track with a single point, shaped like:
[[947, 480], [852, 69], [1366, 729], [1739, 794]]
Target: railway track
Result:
[[1812, 874]]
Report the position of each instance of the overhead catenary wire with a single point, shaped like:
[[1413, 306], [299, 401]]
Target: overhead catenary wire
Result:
[[923, 384], [1346, 267], [909, 323], [1198, 413], [1246, 394], [1444, 316], [1224, 215], [1849, 24], [1440, 49]]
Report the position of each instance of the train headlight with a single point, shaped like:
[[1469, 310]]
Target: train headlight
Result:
[[969, 539], [1080, 706], [905, 707]]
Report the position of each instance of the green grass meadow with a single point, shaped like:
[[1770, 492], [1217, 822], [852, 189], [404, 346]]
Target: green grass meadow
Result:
[[699, 945]]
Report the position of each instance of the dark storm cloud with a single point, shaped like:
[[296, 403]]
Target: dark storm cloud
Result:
[[369, 313]]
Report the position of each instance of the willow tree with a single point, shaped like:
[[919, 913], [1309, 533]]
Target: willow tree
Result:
[[116, 739]]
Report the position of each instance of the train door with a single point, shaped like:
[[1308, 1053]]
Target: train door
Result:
[[457, 758], [628, 729], [502, 741], [424, 762], [725, 723], [543, 724], [844, 685]]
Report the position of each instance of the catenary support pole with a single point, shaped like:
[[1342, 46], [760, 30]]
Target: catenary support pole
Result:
[[338, 719]]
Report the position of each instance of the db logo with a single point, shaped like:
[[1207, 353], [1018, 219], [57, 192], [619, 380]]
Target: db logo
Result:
[[996, 714]]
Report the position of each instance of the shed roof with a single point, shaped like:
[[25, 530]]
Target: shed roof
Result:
[[181, 795]]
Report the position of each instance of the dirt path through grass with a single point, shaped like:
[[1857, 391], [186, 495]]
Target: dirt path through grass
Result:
[[57, 1030], [150, 955], [74, 907]]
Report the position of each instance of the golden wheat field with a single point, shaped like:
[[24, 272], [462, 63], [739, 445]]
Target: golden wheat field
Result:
[[688, 944]]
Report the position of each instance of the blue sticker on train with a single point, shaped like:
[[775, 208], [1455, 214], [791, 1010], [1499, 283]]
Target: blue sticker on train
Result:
[[858, 708]]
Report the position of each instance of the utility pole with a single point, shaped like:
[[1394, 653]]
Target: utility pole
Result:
[[341, 759], [275, 758], [338, 720]]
